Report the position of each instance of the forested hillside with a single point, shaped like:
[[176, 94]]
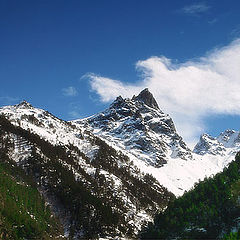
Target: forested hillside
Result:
[[23, 212], [93, 196], [209, 211]]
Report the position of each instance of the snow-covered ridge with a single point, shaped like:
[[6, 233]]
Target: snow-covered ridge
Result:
[[140, 130], [227, 143], [138, 126], [47, 126], [66, 134]]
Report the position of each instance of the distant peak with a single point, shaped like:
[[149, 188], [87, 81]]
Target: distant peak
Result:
[[146, 97], [206, 136], [24, 104], [119, 99], [228, 132]]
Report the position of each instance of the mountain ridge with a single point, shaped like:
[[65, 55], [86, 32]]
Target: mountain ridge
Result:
[[57, 152], [128, 122], [227, 142], [140, 126], [130, 155]]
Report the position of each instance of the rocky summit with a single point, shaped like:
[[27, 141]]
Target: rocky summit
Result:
[[107, 175], [138, 127], [146, 97], [227, 143]]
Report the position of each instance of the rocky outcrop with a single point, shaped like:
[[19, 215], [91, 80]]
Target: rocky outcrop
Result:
[[146, 97], [140, 127]]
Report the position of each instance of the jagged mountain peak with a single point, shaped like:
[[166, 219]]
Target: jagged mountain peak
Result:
[[229, 138], [118, 102], [206, 137], [143, 99], [68, 152], [146, 97], [208, 144], [24, 104], [228, 142], [139, 126]]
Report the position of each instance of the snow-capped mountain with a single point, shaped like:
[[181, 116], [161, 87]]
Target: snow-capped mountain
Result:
[[137, 126], [95, 190], [116, 168], [227, 143]]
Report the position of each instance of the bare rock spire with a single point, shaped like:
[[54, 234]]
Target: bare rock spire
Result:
[[146, 97]]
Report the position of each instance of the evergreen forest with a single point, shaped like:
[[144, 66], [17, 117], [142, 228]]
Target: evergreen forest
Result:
[[210, 210], [23, 212]]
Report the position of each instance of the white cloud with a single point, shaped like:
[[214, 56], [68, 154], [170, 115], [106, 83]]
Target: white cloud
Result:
[[6, 100], [69, 91], [74, 110], [74, 114], [195, 9], [189, 91], [108, 88]]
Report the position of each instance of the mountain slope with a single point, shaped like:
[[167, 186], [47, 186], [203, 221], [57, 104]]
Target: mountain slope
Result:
[[209, 211], [227, 143], [107, 175], [95, 190], [139, 129], [138, 126], [23, 212]]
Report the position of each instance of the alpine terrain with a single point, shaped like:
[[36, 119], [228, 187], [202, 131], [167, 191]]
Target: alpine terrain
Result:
[[104, 176], [140, 130]]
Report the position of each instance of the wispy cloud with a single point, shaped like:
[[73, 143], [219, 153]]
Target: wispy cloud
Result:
[[6, 100], [236, 32], [213, 21], [69, 91], [189, 91], [74, 110], [195, 9], [75, 114], [108, 88]]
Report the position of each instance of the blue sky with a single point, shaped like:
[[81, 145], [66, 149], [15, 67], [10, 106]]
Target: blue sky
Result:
[[68, 56]]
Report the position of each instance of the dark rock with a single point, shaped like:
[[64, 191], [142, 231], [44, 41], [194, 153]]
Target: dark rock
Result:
[[146, 97], [24, 104]]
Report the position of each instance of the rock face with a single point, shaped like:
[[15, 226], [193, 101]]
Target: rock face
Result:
[[24, 104], [146, 97], [227, 143], [209, 145], [140, 127]]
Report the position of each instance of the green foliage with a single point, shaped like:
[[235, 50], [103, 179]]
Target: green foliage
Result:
[[205, 212], [89, 213], [89, 202], [232, 236], [23, 214]]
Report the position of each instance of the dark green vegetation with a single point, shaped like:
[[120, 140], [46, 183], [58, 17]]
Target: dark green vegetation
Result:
[[208, 211], [88, 203], [23, 213], [232, 236]]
